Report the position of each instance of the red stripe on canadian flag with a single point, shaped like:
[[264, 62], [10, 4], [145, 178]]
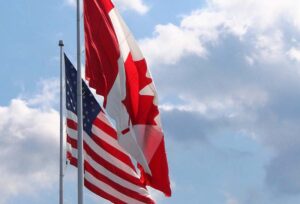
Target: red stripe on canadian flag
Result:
[[116, 68]]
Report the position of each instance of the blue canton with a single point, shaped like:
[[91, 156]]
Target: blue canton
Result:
[[91, 107]]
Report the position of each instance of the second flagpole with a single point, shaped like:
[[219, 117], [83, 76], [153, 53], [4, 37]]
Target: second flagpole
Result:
[[80, 165], [61, 150]]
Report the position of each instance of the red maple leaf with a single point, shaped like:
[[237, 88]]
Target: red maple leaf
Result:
[[140, 108]]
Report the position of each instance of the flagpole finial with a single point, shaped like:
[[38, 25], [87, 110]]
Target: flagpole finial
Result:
[[61, 139], [61, 43]]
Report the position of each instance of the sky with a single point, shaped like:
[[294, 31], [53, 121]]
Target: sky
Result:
[[227, 74]]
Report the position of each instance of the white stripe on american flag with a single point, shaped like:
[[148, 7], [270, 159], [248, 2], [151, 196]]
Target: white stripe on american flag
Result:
[[71, 116], [98, 132], [101, 152], [112, 176], [108, 189], [103, 118], [108, 139]]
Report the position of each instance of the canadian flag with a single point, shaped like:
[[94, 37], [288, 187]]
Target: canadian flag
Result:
[[116, 68]]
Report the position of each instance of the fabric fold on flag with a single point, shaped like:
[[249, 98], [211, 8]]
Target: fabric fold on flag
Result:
[[117, 69], [108, 169]]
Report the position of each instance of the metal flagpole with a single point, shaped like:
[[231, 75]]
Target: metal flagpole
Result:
[[79, 112], [61, 159]]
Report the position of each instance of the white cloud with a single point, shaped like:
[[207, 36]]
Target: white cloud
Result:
[[136, 5], [71, 3], [231, 199], [246, 20], [170, 43], [294, 54], [48, 95], [249, 60], [269, 48], [28, 148], [258, 14], [235, 104]]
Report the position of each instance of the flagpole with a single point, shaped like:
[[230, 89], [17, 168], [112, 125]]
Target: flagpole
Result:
[[79, 112], [61, 159]]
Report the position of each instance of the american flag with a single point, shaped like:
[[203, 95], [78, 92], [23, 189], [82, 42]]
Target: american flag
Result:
[[108, 169]]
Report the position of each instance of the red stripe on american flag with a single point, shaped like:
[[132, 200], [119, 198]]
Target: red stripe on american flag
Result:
[[115, 185], [118, 187], [117, 153], [112, 168], [102, 193], [71, 124], [108, 148], [106, 128]]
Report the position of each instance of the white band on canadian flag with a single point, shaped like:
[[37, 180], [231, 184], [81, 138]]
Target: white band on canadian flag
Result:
[[126, 40]]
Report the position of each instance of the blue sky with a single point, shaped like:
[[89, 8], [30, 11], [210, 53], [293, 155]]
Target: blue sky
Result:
[[228, 79]]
